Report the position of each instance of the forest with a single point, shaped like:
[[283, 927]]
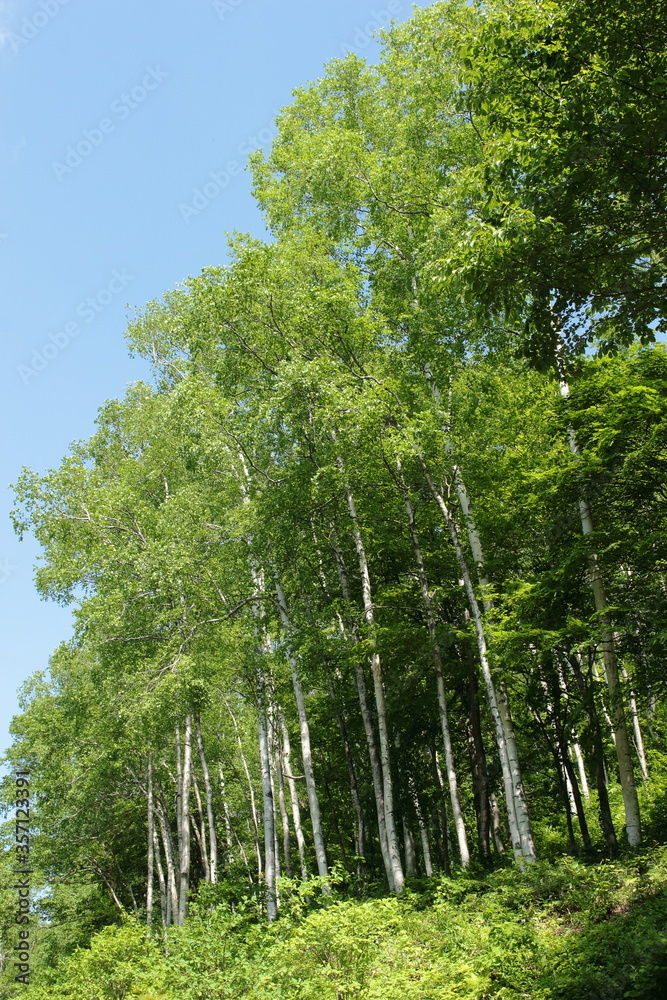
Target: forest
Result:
[[366, 692]]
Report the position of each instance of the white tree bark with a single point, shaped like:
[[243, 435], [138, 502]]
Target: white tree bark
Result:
[[267, 799], [457, 813], [151, 845], [369, 731], [186, 781], [517, 812], [618, 721], [208, 790], [294, 798], [378, 687], [306, 755]]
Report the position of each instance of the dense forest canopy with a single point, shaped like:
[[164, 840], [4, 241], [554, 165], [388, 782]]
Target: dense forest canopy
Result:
[[369, 585]]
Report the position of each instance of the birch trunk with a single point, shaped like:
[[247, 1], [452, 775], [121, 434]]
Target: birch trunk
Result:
[[634, 715], [517, 812], [200, 831], [359, 846], [306, 755], [151, 846], [457, 813], [208, 791], [606, 821], [294, 798], [168, 847], [478, 768], [410, 851], [160, 877], [378, 687], [287, 846], [251, 792], [583, 780], [184, 883], [229, 844], [618, 721], [267, 798], [423, 831], [369, 731]]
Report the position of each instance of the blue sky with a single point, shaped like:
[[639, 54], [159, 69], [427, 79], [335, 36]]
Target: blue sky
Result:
[[125, 127]]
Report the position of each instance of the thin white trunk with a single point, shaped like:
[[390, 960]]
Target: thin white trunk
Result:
[[274, 795], [457, 813], [583, 780], [423, 831], [168, 847], [371, 742], [287, 846], [225, 809], [160, 877], [184, 883], [267, 798], [208, 791], [200, 831], [294, 798], [618, 721], [495, 824], [378, 688], [304, 731], [634, 715], [251, 792], [151, 845], [517, 812]]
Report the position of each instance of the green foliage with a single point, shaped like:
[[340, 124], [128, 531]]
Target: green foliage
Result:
[[563, 930]]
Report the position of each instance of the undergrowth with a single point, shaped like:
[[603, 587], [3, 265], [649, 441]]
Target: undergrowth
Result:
[[558, 931]]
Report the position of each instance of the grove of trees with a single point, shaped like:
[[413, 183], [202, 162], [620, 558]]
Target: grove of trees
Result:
[[369, 584]]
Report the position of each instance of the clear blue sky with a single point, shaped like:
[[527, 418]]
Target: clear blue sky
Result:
[[114, 113]]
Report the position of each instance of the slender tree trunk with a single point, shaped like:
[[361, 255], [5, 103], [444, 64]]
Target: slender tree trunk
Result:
[[495, 824], [306, 755], [208, 790], [354, 788], [160, 877], [457, 813], [378, 685], [619, 725], [267, 798], [441, 815], [151, 846], [287, 846], [606, 821], [374, 756], [167, 844], [410, 850], [480, 780], [634, 715], [274, 798], [199, 827], [583, 780], [517, 812], [423, 830], [229, 843], [184, 885], [251, 792], [294, 798]]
